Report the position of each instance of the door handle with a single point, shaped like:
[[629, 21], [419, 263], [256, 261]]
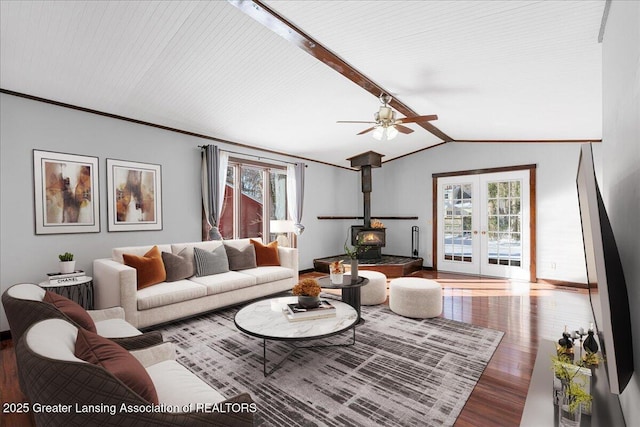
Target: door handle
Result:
[[484, 232], [475, 232]]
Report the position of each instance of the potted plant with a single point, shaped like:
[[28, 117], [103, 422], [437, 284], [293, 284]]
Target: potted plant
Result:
[[307, 291], [66, 264], [572, 394], [352, 254]]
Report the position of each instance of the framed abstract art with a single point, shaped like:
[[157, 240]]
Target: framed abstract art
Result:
[[66, 193], [134, 196]]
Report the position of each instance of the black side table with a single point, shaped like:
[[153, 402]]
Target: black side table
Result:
[[80, 291], [350, 290]]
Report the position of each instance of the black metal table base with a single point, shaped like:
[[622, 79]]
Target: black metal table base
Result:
[[296, 348], [350, 289], [352, 297]]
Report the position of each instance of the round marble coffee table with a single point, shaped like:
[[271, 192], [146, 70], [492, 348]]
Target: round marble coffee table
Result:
[[265, 319]]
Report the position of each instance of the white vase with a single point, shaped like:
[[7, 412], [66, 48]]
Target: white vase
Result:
[[566, 416], [336, 278], [67, 266]]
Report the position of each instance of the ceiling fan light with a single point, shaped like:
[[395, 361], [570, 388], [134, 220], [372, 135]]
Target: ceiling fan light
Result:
[[382, 133], [378, 133]]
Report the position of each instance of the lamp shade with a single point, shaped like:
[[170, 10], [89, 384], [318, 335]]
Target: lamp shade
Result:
[[382, 133], [281, 226], [391, 132], [377, 132]]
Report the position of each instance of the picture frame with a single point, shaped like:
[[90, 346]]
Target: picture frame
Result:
[[66, 193], [134, 196]]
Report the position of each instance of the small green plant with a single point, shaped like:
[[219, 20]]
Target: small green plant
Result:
[[572, 380], [352, 252], [591, 359], [67, 256]]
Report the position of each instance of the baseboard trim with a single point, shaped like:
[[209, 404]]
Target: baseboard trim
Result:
[[307, 270], [563, 283]]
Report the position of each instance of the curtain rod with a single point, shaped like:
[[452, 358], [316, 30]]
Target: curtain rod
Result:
[[257, 157]]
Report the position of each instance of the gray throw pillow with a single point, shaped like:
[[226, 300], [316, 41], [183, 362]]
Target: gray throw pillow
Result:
[[241, 259], [210, 262], [178, 266]]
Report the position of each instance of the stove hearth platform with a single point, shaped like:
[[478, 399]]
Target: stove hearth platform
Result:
[[389, 265]]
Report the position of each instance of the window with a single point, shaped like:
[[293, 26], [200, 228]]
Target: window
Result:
[[254, 191]]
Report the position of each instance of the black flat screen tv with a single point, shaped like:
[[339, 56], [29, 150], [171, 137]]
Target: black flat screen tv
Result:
[[607, 286]]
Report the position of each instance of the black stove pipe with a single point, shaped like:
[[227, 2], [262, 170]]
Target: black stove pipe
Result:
[[366, 193]]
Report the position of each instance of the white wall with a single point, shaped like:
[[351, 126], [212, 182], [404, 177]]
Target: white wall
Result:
[[621, 160], [26, 125], [407, 190], [328, 191]]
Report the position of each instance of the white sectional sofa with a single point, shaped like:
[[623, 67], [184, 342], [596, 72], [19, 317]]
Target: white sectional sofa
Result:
[[115, 284]]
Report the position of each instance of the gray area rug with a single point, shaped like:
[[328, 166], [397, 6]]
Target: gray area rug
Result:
[[400, 372]]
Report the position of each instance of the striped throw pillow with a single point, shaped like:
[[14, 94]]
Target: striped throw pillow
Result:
[[211, 262]]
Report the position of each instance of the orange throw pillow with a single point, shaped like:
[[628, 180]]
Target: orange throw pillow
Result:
[[94, 349], [266, 254], [149, 268]]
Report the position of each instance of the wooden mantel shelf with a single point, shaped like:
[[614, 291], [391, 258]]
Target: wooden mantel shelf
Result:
[[372, 216]]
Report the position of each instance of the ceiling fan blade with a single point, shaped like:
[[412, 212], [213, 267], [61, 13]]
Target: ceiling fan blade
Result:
[[403, 129], [366, 130], [417, 119], [353, 121]]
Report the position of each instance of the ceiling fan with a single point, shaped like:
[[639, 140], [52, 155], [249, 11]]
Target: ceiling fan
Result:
[[386, 126]]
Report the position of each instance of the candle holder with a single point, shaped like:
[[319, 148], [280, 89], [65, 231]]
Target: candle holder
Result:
[[579, 334]]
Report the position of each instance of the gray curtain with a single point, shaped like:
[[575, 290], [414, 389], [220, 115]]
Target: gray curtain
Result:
[[214, 173], [295, 194]]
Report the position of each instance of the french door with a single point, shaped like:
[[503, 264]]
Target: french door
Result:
[[483, 224]]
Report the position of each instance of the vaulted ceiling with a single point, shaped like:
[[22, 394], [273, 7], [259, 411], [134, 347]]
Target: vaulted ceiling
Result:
[[490, 70]]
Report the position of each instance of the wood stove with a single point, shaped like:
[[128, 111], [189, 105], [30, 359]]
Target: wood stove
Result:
[[374, 239]]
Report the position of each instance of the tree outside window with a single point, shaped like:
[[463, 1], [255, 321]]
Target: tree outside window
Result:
[[253, 192]]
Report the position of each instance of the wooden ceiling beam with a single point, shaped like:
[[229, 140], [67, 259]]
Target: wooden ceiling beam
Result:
[[271, 19]]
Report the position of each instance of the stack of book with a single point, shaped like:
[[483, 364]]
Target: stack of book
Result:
[[295, 313], [66, 278]]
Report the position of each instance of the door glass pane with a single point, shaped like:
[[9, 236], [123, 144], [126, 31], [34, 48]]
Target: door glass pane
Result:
[[515, 189], [503, 189], [457, 220], [457, 193], [466, 223], [251, 202], [504, 223], [492, 190], [492, 207], [466, 191], [515, 206]]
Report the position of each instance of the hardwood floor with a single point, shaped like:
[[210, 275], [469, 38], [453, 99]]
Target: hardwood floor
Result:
[[525, 312]]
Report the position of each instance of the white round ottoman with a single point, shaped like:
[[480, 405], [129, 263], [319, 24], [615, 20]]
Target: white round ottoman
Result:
[[415, 297], [374, 292]]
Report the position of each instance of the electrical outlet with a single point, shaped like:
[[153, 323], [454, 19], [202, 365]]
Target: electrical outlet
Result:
[[553, 265]]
